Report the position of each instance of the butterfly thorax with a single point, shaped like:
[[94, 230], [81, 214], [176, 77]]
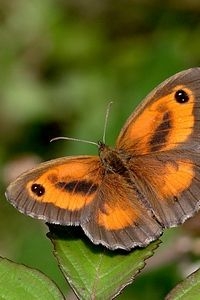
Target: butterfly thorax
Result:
[[113, 160]]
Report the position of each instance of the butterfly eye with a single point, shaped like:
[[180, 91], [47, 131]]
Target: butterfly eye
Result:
[[181, 96], [38, 189]]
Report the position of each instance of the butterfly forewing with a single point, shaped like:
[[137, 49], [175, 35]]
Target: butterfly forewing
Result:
[[167, 118], [60, 191]]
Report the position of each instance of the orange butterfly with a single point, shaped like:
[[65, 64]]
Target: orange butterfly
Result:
[[124, 197]]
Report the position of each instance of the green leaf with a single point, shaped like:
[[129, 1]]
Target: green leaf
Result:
[[20, 282], [93, 271], [189, 289]]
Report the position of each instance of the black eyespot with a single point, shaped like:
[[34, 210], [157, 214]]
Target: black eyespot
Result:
[[38, 189], [181, 96]]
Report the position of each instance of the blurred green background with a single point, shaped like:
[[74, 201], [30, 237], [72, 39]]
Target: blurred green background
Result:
[[61, 63]]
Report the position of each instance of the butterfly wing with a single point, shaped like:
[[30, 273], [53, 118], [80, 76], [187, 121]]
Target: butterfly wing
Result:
[[78, 191], [119, 220], [163, 139], [171, 183], [168, 117], [60, 191]]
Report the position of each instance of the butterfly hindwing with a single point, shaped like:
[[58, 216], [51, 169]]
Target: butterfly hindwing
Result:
[[171, 183], [120, 219]]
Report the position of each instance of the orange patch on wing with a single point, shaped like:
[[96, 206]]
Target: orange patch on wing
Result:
[[60, 197], [176, 178], [117, 217], [75, 169], [143, 127]]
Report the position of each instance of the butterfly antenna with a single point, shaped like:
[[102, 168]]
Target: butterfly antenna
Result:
[[86, 141], [106, 121], [72, 139]]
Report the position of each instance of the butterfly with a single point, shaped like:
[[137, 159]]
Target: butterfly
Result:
[[125, 196]]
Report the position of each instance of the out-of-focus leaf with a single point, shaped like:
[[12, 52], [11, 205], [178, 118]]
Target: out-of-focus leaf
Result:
[[189, 289], [20, 282]]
